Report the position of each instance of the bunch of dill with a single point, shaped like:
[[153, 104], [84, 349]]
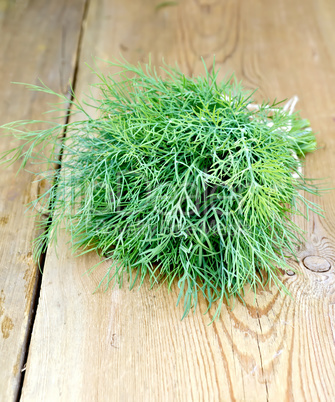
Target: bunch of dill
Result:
[[177, 178]]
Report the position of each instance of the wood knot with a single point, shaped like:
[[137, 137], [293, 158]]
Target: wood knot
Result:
[[316, 263]]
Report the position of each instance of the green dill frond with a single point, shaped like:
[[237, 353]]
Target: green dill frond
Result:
[[178, 179]]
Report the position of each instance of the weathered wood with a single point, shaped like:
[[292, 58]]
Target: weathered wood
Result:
[[131, 345], [38, 40]]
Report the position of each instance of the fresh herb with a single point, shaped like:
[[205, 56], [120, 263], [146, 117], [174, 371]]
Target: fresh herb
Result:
[[176, 178]]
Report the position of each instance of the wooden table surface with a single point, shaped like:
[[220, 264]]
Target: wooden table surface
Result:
[[58, 341]]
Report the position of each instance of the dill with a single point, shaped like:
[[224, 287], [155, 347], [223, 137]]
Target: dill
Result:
[[176, 178]]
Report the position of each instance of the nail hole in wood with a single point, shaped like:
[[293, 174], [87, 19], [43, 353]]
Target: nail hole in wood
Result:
[[316, 264]]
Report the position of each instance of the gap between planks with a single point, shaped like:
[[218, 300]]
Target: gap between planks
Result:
[[37, 290]]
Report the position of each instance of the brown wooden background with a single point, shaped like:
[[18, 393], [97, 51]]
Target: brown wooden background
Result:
[[60, 342]]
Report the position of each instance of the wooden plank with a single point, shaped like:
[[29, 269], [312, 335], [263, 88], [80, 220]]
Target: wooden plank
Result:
[[38, 40], [131, 345]]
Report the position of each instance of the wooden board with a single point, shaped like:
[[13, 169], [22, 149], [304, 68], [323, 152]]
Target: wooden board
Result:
[[131, 345], [38, 40]]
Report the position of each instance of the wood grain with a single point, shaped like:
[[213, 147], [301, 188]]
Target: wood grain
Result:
[[131, 345], [38, 40]]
